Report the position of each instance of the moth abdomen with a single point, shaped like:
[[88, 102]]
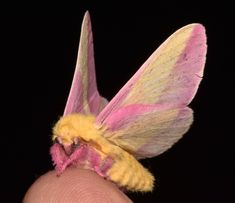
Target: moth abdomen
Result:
[[129, 173]]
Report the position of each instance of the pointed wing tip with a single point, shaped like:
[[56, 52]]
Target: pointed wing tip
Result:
[[196, 25], [86, 16], [200, 29], [86, 23], [197, 29]]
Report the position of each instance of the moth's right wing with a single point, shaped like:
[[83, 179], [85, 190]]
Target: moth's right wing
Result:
[[149, 114]]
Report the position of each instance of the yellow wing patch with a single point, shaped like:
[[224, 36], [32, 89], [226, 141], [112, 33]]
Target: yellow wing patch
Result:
[[157, 72]]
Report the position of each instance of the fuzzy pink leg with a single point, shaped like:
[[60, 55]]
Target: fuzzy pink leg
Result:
[[62, 161], [100, 166], [77, 157], [82, 156], [106, 165], [58, 157], [95, 160]]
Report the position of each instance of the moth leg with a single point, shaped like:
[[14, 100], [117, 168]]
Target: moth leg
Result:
[[77, 157], [106, 165], [58, 157], [99, 162]]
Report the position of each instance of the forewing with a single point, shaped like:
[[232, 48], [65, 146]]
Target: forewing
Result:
[[170, 76], [84, 96]]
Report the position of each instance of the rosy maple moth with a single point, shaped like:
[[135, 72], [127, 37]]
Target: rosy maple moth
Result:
[[146, 117]]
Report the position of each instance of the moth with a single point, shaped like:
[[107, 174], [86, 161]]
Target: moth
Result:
[[145, 118]]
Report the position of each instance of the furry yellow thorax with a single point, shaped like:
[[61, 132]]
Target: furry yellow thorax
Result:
[[75, 126]]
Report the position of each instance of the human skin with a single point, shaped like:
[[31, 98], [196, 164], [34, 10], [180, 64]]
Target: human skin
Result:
[[74, 185]]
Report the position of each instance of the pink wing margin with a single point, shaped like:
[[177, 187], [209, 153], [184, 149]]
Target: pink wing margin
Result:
[[84, 97]]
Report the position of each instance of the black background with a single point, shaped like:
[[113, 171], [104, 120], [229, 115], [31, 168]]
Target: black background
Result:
[[41, 45]]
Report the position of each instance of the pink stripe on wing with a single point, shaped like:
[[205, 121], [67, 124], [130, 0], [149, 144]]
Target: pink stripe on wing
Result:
[[123, 116], [93, 95], [189, 69]]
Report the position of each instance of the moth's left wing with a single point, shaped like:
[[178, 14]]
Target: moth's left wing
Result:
[[84, 96]]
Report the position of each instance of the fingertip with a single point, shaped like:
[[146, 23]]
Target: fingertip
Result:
[[74, 185]]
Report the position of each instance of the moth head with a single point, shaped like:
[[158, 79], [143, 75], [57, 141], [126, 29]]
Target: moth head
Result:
[[73, 129]]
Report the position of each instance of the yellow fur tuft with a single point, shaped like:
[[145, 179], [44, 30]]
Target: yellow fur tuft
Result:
[[76, 126]]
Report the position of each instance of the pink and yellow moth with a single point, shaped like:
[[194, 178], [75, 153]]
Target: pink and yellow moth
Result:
[[146, 117]]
